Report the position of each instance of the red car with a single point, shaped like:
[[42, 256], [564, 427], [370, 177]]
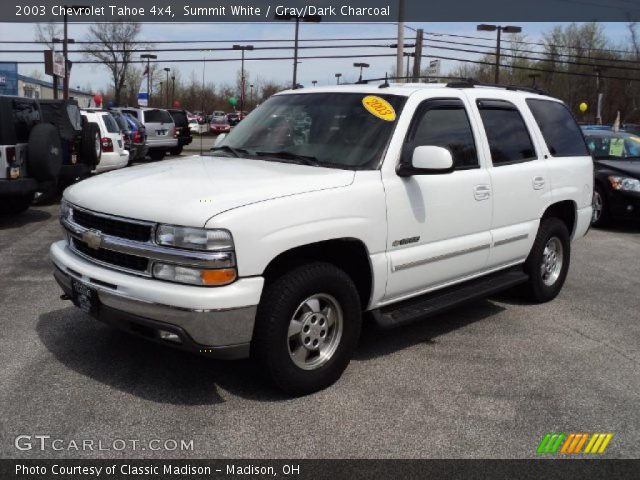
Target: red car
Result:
[[219, 126]]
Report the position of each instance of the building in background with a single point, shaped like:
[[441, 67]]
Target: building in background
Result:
[[35, 88], [8, 78]]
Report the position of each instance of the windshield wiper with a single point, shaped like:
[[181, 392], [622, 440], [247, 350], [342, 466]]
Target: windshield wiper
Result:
[[237, 152], [284, 155]]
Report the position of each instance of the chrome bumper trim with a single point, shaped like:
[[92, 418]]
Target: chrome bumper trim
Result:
[[215, 328]]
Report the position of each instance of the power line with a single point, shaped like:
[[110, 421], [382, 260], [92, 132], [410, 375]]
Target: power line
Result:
[[259, 40]]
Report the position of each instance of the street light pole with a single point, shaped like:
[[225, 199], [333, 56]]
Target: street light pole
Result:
[[167, 69], [338, 75], [250, 96], [498, 28], [361, 66], [173, 88], [297, 18]]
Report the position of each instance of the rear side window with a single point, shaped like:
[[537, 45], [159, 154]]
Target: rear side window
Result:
[[509, 139], [559, 129], [110, 123], [157, 116], [180, 119], [444, 123]]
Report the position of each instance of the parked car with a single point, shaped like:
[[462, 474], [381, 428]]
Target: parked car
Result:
[[139, 137], [194, 126], [160, 129], [401, 201], [616, 191], [219, 125], [217, 115], [114, 154], [235, 117], [183, 132], [30, 153], [80, 140], [136, 149]]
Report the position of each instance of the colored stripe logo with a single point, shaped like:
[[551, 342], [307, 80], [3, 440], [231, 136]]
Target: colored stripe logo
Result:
[[573, 443]]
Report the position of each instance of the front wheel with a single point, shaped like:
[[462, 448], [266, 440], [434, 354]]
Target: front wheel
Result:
[[15, 205], [307, 327], [548, 261], [600, 216]]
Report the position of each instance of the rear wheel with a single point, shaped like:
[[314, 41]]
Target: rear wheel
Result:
[[307, 327], [548, 261], [176, 150], [15, 205]]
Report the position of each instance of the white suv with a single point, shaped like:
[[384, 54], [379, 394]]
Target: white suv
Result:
[[113, 153], [399, 200]]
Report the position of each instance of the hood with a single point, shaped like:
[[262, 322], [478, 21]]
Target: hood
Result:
[[191, 190], [630, 167]]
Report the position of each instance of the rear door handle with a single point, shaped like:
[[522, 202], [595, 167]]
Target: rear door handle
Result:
[[538, 183], [481, 192]]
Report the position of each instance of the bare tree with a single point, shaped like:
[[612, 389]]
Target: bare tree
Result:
[[114, 45], [46, 32]]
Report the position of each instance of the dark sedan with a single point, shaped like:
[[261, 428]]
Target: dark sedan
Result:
[[617, 175]]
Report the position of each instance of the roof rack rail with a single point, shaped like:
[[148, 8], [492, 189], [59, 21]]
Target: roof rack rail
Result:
[[471, 83]]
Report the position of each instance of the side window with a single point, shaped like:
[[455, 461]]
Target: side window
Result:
[[444, 123], [559, 129], [509, 139]]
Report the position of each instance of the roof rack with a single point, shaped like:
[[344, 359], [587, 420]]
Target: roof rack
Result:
[[472, 83]]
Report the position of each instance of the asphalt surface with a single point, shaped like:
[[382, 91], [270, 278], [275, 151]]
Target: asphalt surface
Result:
[[485, 380]]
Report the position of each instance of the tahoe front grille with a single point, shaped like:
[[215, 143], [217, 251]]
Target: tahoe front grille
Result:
[[112, 226], [117, 259]]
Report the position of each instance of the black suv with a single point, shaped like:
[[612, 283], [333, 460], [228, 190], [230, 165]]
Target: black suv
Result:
[[183, 132], [42, 147]]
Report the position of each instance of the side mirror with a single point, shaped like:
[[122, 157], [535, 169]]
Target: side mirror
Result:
[[427, 160], [219, 139]]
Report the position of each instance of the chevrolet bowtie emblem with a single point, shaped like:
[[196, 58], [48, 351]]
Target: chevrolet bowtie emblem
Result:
[[92, 238]]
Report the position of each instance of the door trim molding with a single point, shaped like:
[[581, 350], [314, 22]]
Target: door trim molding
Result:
[[437, 258]]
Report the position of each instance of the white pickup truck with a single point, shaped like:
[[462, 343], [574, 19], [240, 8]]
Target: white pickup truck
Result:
[[323, 204]]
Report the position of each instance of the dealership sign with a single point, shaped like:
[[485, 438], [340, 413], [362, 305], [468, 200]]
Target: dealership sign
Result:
[[8, 78], [53, 63]]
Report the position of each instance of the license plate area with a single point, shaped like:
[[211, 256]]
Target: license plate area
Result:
[[84, 297], [161, 132]]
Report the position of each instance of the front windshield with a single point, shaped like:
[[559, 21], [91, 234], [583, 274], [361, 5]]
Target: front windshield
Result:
[[614, 147], [330, 129]]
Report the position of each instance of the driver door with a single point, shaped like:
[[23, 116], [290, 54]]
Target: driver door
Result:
[[438, 224]]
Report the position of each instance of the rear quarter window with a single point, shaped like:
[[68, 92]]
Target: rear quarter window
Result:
[[560, 131], [110, 123]]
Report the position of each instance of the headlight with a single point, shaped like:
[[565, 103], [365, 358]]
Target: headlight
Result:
[[65, 209], [194, 238], [624, 183], [194, 276]]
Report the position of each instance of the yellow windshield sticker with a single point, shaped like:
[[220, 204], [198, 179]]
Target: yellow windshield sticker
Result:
[[379, 107], [616, 147]]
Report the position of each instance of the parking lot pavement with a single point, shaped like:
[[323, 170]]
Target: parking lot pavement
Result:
[[485, 380]]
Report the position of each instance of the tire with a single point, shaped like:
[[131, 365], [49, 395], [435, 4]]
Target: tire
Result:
[[90, 147], [45, 152], [302, 301], [548, 262], [176, 150], [602, 216], [156, 154], [15, 205]]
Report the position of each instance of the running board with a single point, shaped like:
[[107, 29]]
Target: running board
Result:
[[430, 304]]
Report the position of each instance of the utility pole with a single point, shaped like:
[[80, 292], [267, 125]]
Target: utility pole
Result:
[[65, 52], [242, 48], [148, 57], [499, 28], [400, 42], [173, 88], [417, 61], [297, 18], [534, 77]]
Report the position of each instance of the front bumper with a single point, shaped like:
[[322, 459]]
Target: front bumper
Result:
[[217, 322], [624, 204]]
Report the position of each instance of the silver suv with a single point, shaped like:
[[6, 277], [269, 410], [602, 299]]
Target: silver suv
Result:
[[161, 130]]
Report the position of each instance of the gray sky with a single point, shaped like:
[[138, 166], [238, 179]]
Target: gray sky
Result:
[[322, 70]]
